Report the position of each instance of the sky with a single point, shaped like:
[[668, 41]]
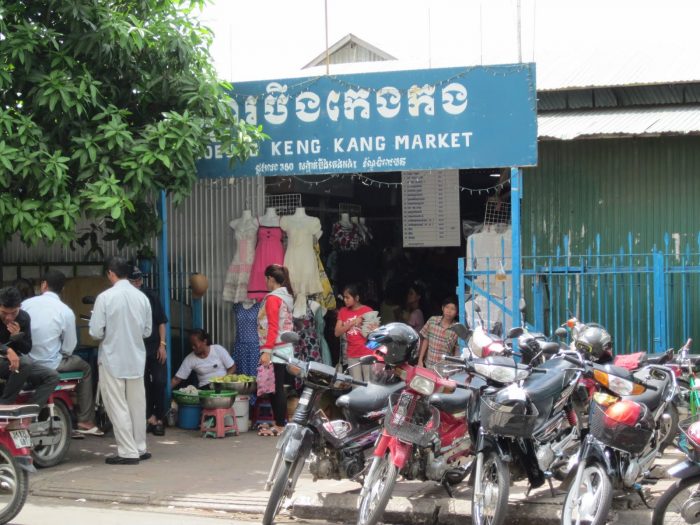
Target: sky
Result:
[[256, 40]]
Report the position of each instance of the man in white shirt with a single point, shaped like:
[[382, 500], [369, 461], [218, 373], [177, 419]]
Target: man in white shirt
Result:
[[121, 319], [54, 339]]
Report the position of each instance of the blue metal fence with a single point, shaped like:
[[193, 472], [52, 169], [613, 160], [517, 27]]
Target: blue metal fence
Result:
[[648, 301]]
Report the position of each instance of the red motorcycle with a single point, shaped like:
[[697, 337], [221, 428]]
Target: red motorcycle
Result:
[[426, 430], [51, 432]]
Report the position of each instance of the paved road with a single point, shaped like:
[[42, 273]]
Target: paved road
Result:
[[68, 512]]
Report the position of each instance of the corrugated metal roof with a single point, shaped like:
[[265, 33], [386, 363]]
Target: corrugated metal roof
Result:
[[568, 125]]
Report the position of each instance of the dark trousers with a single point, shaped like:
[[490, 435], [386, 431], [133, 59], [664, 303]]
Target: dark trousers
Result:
[[279, 398], [155, 380], [44, 381], [14, 381]]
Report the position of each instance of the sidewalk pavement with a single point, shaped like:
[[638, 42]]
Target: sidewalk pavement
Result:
[[188, 471]]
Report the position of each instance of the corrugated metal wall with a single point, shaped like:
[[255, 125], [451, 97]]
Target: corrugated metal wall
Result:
[[646, 186], [201, 240]]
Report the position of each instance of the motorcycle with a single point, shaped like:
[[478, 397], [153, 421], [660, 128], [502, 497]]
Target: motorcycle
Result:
[[680, 503], [15, 456], [627, 426], [430, 427], [529, 429], [51, 432], [335, 449]]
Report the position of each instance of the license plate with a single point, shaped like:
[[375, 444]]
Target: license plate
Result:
[[21, 438]]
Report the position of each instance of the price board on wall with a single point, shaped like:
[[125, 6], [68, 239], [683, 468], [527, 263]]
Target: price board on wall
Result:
[[430, 206]]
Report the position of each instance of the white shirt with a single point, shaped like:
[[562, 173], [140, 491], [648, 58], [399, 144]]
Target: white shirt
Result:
[[214, 365], [121, 318], [53, 329]]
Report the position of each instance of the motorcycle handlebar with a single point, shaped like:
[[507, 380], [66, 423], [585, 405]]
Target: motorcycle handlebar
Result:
[[453, 359]]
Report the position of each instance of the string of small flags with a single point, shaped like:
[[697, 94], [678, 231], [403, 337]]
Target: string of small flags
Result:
[[369, 181]]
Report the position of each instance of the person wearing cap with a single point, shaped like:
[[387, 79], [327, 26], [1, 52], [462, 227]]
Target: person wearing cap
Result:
[[54, 338], [156, 374]]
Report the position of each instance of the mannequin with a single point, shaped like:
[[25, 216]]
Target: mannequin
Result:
[[365, 230], [270, 219], [300, 257], [245, 230], [300, 212], [345, 219], [354, 220]]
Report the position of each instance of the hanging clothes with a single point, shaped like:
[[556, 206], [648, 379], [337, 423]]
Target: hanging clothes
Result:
[[269, 250], [326, 297], [246, 349], [309, 346], [300, 258], [346, 238], [326, 356], [238, 274]]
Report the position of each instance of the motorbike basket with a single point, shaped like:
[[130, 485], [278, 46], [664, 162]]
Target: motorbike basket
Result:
[[614, 434], [688, 443], [498, 420], [419, 428]]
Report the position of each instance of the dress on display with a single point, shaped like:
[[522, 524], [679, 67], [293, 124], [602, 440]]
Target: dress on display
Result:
[[300, 258], [246, 349], [346, 238], [269, 250], [309, 346], [238, 274], [326, 297]]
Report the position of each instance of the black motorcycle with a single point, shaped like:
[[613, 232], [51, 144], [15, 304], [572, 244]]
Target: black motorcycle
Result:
[[335, 448]]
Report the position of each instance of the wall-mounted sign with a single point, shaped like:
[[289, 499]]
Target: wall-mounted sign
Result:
[[430, 205], [477, 117]]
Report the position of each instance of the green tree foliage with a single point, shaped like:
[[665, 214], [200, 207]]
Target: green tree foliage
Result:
[[102, 104]]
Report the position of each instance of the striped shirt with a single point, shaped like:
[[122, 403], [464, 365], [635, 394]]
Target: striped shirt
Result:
[[441, 341]]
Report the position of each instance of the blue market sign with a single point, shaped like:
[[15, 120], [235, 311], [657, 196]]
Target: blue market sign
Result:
[[477, 117]]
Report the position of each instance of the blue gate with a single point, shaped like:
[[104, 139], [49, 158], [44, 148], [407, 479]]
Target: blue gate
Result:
[[648, 301]]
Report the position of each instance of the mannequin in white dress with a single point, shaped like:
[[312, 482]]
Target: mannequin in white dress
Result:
[[300, 258], [245, 230], [270, 219]]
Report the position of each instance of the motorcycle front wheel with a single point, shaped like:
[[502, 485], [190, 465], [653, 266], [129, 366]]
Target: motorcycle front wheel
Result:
[[679, 504], [377, 490], [589, 498], [14, 486], [490, 503], [285, 479]]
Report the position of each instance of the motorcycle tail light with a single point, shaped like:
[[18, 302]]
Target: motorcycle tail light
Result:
[[422, 385], [626, 412]]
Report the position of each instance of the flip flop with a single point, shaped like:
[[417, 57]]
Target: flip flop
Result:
[[94, 431]]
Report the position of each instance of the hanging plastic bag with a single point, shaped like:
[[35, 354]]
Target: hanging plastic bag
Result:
[[266, 380], [501, 272]]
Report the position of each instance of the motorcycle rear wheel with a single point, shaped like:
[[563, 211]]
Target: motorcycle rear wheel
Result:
[[50, 455], [379, 485], [593, 504], [491, 506], [669, 506], [14, 484]]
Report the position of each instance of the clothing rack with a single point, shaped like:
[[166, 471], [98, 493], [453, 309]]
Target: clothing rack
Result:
[[284, 203]]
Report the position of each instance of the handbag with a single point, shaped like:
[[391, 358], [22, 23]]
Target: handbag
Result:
[[266, 380]]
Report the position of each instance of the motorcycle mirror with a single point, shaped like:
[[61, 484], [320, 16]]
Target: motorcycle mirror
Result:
[[289, 337], [461, 331], [561, 332], [89, 299], [368, 360], [514, 332]]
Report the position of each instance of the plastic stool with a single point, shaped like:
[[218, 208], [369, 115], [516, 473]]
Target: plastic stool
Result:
[[220, 428], [262, 411]]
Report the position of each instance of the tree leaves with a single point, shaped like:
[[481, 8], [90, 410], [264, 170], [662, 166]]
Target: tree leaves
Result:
[[103, 104]]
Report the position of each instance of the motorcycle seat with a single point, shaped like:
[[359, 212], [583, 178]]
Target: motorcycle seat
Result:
[[543, 388], [549, 347], [452, 403], [369, 398]]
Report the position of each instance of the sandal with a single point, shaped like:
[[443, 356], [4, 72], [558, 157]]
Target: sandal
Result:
[[264, 430]]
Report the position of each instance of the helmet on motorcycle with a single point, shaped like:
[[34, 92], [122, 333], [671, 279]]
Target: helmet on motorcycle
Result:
[[594, 340], [397, 342]]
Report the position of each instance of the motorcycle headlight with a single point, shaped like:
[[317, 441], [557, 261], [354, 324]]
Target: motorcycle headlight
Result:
[[422, 385], [620, 386], [502, 374]]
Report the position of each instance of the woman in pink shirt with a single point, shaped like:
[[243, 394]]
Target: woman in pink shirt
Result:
[[348, 326]]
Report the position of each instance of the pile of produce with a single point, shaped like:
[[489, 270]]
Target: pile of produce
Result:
[[233, 378]]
